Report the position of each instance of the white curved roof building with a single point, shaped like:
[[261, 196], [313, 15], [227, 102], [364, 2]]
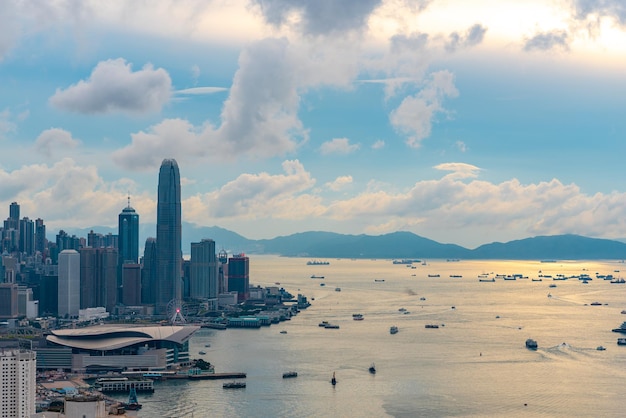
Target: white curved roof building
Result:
[[105, 347]]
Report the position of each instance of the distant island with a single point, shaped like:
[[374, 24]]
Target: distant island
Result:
[[397, 245]]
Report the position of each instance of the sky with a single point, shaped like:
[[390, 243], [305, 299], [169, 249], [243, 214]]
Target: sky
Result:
[[462, 122]]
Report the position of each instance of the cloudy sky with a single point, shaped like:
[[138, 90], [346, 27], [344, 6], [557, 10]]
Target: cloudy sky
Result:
[[463, 122]]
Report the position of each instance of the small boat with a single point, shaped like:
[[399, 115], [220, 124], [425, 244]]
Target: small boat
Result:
[[283, 331], [431, 326], [322, 284], [379, 280], [333, 381], [531, 344], [357, 317], [324, 323], [234, 385], [202, 353], [372, 369], [316, 277], [331, 326], [337, 289], [434, 275], [393, 329], [596, 304], [552, 285], [621, 341], [600, 348], [288, 375]]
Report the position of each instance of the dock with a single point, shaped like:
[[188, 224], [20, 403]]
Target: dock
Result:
[[217, 376]]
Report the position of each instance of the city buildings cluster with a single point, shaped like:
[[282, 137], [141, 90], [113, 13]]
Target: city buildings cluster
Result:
[[73, 275]]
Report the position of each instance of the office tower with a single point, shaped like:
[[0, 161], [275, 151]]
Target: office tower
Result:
[[17, 383], [239, 276], [169, 230], [149, 273], [222, 274], [98, 278], [48, 295], [40, 237], [14, 216], [69, 283], [27, 236], [128, 240], [203, 274], [131, 284], [8, 301], [65, 242]]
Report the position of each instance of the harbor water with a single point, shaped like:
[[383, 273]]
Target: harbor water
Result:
[[475, 364]]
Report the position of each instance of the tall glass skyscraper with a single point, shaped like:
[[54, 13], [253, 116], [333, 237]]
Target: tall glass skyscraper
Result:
[[128, 242], [169, 236]]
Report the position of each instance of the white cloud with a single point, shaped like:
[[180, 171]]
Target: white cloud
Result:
[[415, 114], [202, 90], [6, 123], [55, 141], [546, 41], [378, 144], [459, 170], [461, 146], [472, 37], [114, 87], [339, 183], [195, 73], [338, 146]]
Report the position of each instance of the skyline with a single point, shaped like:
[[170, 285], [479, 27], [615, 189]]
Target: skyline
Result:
[[462, 124]]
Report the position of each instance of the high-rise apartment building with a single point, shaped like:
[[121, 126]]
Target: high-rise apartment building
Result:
[[8, 300], [203, 275], [169, 236], [69, 283], [17, 383], [239, 276], [128, 240]]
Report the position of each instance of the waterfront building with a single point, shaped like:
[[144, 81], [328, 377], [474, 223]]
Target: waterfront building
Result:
[[17, 383], [169, 235], [69, 283], [203, 270], [98, 277], [117, 347], [128, 240], [239, 276], [81, 406], [149, 273]]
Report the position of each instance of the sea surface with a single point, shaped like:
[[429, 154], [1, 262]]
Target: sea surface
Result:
[[474, 365]]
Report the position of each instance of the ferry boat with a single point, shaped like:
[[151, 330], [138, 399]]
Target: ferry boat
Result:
[[531, 344], [393, 329], [621, 341], [317, 263], [123, 384], [234, 385]]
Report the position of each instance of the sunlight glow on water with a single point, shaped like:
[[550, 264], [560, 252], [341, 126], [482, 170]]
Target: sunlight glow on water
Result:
[[474, 364]]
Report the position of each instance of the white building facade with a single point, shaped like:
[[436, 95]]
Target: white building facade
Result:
[[17, 383], [69, 283]]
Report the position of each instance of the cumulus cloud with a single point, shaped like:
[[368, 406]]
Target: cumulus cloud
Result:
[[378, 144], [320, 17], [338, 146], [615, 9], [54, 140], [67, 195], [114, 87], [547, 41], [339, 183], [416, 113], [472, 37], [259, 196], [6, 123]]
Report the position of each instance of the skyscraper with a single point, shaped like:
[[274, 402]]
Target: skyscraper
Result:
[[169, 235], [149, 273], [239, 276], [69, 283], [203, 277], [98, 278], [40, 236], [128, 241]]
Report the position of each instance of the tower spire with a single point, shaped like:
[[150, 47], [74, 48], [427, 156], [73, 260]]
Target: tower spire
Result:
[[129, 198]]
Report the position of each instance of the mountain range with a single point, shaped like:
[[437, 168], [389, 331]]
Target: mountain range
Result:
[[318, 244]]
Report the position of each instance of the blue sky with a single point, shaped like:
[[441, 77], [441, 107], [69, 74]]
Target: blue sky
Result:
[[463, 122]]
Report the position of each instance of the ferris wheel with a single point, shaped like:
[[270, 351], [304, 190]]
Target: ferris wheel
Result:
[[176, 311]]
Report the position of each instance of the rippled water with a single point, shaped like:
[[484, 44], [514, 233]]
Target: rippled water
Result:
[[474, 364]]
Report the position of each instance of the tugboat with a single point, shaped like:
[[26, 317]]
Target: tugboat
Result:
[[372, 369], [333, 381]]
